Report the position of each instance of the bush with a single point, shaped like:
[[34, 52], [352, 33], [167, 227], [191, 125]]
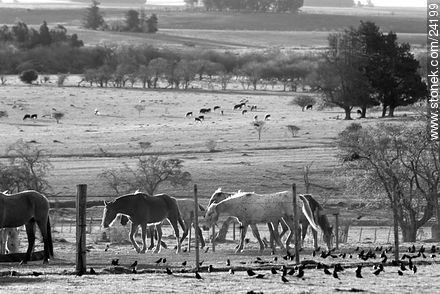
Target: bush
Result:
[[293, 130], [28, 76], [211, 145], [57, 115], [61, 79]]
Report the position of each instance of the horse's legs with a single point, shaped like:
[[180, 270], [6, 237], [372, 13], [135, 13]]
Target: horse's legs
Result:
[[243, 234], [152, 233], [173, 222], [304, 227], [185, 232], [144, 235], [284, 227], [30, 232], [43, 229], [133, 241], [257, 235], [315, 239], [159, 238], [276, 236], [289, 222]]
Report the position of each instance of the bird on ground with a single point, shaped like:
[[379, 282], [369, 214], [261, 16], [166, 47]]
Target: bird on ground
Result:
[[92, 271], [228, 262], [198, 276], [184, 263], [168, 271], [134, 264], [358, 272], [250, 273], [273, 271], [115, 261], [283, 278], [231, 271], [159, 260], [259, 276], [400, 272]]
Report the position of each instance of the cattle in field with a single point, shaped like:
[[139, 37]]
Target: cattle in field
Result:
[[243, 112], [34, 116], [26, 116], [267, 117], [309, 107], [188, 114], [216, 107], [205, 110]]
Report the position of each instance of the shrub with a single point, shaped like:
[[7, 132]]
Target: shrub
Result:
[[28, 76], [211, 145], [61, 79], [293, 130], [57, 115]]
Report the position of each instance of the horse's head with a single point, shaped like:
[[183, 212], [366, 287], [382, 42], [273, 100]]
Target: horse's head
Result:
[[218, 196], [211, 215], [328, 237], [109, 214]]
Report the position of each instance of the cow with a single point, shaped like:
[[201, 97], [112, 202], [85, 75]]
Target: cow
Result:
[[26, 116]]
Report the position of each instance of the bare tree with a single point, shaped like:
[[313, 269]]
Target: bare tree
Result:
[[259, 126], [293, 130], [57, 115], [139, 108]]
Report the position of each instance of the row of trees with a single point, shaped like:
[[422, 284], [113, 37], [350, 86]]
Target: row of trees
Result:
[[251, 5], [24, 37], [365, 67], [135, 21]]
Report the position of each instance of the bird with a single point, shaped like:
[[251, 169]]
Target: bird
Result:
[[188, 114], [92, 271], [184, 263], [210, 268], [250, 273], [168, 271], [134, 264], [300, 272], [358, 272], [255, 117], [400, 272], [327, 272], [273, 271], [267, 117], [228, 262], [115, 261], [231, 271], [159, 260], [283, 278], [259, 276], [107, 247], [198, 276], [164, 260], [34, 273], [335, 274], [243, 112]]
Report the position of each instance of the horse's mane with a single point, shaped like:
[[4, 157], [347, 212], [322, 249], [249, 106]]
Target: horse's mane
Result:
[[239, 193]]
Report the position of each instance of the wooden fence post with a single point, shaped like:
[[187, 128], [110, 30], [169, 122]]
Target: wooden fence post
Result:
[[396, 229], [81, 226], [233, 231], [295, 224], [337, 230], [196, 225]]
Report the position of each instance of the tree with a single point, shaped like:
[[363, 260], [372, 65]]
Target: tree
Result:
[[150, 173], [259, 126], [93, 18], [45, 37], [139, 108], [152, 24], [28, 76], [132, 20], [400, 165], [57, 115], [392, 69], [29, 166]]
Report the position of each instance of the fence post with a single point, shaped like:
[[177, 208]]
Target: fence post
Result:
[[295, 224], [233, 231], [337, 230], [396, 229], [81, 226], [360, 234], [196, 222]]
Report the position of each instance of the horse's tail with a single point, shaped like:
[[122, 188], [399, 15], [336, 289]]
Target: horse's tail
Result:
[[49, 237], [307, 210]]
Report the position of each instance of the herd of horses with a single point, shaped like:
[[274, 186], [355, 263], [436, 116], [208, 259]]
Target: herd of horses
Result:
[[31, 208]]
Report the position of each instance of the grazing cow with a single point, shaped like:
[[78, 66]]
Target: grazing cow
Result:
[[255, 117], [205, 110], [188, 114], [359, 112], [253, 107], [202, 117], [216, 107], [243, 112], [309, 107], [96, 111], [198, 119], [267, 117], [26, 116], [34, 116]]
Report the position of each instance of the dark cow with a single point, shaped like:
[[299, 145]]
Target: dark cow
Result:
[[243, 112], [309, 107], [205, 110], [267, 117], [188, 114], [216, 107], [34, 116], [26, 116]]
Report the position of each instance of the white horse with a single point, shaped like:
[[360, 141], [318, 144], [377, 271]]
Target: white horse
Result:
[[251, 208]]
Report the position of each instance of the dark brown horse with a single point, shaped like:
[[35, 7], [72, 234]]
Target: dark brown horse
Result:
[[28, 208], [143, 209]]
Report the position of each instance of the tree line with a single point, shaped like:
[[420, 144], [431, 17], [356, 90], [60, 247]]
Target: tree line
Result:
[[249, 5]]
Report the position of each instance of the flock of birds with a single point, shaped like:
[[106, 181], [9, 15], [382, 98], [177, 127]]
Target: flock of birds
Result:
[[286, 272], [200, 117]]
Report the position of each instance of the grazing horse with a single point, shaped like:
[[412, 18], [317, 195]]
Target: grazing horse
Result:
[[319, 218], [143, 209], [251, 208], [26, 116], [28, 208]]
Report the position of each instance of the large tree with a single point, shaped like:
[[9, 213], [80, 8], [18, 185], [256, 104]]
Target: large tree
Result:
[[93, 19]]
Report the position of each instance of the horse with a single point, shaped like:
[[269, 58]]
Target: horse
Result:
[[251, 208], [28, 208], [143, 209]]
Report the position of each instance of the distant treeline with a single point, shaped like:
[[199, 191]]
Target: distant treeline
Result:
[[330, 3], [252, 5]]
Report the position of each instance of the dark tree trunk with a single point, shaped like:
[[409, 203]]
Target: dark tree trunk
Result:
[[363, 112], [391, 112], [347, 113], [384, 110], [409, 232]]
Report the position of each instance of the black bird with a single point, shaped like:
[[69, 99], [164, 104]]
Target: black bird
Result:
[[210, 267], [259, 276], [402, 267], [184, 263], [250, 273], [415, 269], [164, 260], [228, 262], [273, 271], [198, 276], [231, 271], [300, 272], [115, 261], [92, 271], [335, 274], [350, 256], [168, 270], [34, 273], [291, 272], [134, 264], [283, 278], [400, 272], [159, 260], [327, 272], [358, 272]]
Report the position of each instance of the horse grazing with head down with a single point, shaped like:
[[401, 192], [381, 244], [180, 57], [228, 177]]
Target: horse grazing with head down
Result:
[[28, 208], [143, 209]]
